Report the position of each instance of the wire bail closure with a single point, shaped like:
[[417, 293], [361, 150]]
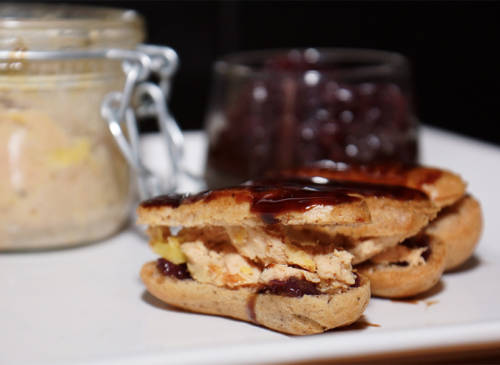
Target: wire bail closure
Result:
[[144, 98]]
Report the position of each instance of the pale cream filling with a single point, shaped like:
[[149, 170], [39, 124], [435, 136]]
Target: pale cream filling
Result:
[[251, 256], [400, 253]]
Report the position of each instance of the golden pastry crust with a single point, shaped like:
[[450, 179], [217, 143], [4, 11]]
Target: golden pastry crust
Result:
[[304, 315], [231, 210], [390, 279], [446, 189], [389, 218], [442, 186], [459, 226], [365, 216]]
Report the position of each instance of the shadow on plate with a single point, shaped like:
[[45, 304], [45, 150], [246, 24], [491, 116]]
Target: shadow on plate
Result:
[[423, 297], [157, 303], [360, 324], [470, 264]]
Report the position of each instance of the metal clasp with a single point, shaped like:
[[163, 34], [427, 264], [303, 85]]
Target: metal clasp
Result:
[[144, 98]]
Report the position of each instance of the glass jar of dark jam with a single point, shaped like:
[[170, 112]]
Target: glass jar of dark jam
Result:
[[279, 109]]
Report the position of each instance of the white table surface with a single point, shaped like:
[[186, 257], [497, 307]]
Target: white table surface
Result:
[[87, 305]]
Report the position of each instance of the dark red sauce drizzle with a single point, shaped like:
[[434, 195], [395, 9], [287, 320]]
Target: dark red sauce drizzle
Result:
[[168, 268], [251, 307], [172, 200], [279, 194], [429, 177], [381, 173]]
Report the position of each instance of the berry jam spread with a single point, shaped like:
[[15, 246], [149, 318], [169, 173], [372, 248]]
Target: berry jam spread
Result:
[[269, 197], [299, 112], [168, 268], [292, 287]]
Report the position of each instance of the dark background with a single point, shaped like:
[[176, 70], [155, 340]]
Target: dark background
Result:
[[452, 47]]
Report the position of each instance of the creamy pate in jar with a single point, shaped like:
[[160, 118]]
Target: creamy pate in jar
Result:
[[63, 181]]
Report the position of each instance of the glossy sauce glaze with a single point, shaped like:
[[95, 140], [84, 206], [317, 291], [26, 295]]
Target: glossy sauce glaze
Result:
[[410, 175], [278, 194]]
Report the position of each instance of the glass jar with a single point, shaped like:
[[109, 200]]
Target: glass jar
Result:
[[63, 181], [279, 109]]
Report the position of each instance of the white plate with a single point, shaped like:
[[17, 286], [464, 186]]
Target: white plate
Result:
[[86, 305]]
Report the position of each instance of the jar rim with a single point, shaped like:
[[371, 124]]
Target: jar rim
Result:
[[14, 15], [348, 62], [36, 26]]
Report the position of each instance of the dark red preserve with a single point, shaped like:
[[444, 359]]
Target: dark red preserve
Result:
[[276, 110], [293, 287], [168, 268]]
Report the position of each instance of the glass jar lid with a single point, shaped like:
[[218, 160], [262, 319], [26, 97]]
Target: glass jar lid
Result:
[[51, 27]]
